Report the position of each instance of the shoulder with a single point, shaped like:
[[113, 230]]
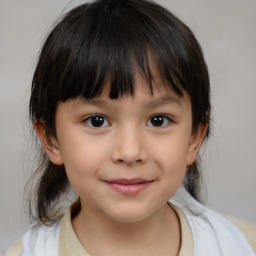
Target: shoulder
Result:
[[212, 234], [39, 240], [15, 250]]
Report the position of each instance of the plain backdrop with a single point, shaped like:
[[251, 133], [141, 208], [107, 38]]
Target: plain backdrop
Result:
[[226, 31]]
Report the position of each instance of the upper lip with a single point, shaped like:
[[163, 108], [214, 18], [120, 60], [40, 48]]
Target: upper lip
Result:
[[129, 181]]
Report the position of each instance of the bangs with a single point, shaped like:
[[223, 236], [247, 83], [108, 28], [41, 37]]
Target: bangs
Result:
[[109, 44]]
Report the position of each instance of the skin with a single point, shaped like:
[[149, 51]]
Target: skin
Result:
[[128, 146]]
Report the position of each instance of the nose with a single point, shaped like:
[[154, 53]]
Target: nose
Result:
[[129, 147]]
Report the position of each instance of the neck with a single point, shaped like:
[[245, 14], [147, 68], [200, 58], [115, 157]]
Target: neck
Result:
[[159, 234]]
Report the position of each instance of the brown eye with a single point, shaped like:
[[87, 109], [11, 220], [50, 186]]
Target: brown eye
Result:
[[97, 121], [158, 121]]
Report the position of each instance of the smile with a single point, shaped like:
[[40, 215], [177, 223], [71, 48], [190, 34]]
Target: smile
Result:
[[129, 186]]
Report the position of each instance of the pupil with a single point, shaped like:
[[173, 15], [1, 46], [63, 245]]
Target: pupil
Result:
[[97, 121], [157, 120]]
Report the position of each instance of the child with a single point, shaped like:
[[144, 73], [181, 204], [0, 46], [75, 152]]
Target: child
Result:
[[120, 102]]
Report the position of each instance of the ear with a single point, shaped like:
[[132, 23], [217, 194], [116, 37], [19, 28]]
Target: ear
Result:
[[50, 144], [195, 143]]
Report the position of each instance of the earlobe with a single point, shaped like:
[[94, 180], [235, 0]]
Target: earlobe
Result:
[[196, 142], [49, 143]]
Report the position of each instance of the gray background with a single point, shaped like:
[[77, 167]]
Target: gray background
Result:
[[226, 31]]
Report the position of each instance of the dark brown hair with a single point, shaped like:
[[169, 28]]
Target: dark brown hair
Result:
[[111, 40]]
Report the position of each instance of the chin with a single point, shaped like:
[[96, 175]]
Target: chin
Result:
[[134, 215]]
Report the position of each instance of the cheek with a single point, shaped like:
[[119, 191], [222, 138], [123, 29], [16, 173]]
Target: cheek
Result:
[[83, 159], [171, 158], [171, 153]]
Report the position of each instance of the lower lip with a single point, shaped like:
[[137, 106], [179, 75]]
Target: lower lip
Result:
[[129, 189]]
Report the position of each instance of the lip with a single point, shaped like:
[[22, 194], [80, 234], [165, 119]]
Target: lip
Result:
[[129, 186]]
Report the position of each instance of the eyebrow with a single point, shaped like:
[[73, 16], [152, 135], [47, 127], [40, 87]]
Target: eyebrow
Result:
[[164, 99], [152, 103], [96, 102]]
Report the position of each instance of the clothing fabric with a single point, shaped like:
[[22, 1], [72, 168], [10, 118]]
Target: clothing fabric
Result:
[[203, 233], [213, 234]]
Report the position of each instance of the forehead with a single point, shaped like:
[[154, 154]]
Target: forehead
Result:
[[142, 98]]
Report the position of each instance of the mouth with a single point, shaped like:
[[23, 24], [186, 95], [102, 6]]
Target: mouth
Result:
[[129, 186]]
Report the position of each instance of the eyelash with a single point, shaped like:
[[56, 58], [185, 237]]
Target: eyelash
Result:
[[165, 118]]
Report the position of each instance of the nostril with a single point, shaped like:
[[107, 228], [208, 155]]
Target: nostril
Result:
[[130, 161]]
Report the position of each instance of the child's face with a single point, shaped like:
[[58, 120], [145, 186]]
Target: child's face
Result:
[[126, 157]]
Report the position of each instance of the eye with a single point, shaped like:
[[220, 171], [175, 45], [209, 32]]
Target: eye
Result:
[[159, 121], [97, 121]]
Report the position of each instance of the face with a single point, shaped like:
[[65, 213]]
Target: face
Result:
[[125, 158]]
